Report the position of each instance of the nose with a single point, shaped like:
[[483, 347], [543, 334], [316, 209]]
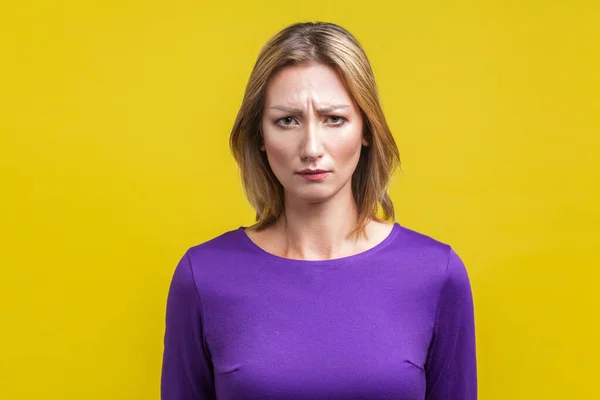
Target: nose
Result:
[[311, 146]]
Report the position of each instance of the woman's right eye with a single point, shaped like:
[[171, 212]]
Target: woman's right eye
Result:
[[286, 121]]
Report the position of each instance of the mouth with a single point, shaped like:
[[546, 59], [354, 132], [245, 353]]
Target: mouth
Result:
[[313, 174]]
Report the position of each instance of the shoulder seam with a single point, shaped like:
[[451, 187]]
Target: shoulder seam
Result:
[[437, 303], [204, 344]]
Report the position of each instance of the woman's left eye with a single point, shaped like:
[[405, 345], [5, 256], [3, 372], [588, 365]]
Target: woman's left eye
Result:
[[336, 119]]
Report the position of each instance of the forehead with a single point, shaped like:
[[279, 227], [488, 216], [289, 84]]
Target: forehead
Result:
[[299, 84]]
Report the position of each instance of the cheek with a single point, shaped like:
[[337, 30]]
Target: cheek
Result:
[[346, 150], [274, 147], [279, 153], [276, 156]]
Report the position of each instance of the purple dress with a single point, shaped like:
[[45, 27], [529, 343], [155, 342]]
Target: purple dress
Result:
[[394, 322]]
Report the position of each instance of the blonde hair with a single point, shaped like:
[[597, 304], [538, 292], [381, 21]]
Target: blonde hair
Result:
[[329, 44]]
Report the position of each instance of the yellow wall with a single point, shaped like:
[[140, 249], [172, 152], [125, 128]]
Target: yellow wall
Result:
[[114, 122]]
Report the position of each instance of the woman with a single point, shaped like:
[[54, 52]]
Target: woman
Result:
[[321, 298]]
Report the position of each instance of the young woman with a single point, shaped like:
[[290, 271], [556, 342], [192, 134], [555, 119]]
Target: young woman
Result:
[[321, 298]]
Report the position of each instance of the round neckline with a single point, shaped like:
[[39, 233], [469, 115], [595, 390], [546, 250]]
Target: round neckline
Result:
[[334, 261]]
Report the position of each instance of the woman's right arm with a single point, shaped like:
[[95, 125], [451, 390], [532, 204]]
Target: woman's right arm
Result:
[[186, 367]]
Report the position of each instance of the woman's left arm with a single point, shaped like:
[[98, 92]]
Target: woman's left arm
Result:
[[451, 368]]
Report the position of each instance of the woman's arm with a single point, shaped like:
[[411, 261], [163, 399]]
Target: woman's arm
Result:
[[451, 364], [186, 368]]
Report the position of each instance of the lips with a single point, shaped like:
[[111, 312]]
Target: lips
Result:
[[313, 174], [312, 171]]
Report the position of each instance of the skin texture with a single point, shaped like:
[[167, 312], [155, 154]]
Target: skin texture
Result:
[[310, 136], [311, 121]]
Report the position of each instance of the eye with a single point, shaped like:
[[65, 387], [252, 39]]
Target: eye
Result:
[[285, 121], [336, 119]]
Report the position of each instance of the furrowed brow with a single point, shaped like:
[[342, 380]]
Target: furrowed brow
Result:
[[323, 110], [329, 109]]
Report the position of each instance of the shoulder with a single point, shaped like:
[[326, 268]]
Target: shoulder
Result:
[[430, 258], [212, 256], [216, 246], [420, 241], [420, 245]]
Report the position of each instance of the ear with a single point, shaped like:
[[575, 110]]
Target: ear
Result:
[[365, 133]]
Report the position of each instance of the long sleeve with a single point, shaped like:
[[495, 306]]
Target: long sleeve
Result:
[[186, 367], [451, 369]]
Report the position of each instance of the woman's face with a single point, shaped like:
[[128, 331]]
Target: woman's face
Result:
[[312, 132]]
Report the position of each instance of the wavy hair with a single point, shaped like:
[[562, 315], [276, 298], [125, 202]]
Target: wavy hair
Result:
[[329, 44]]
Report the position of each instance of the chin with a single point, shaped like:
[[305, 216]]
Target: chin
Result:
[[314, 195]]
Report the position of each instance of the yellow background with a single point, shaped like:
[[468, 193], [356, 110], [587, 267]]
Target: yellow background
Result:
[[114, 159]]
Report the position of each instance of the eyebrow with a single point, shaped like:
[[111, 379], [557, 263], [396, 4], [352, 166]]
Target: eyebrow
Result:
[[322, 110]]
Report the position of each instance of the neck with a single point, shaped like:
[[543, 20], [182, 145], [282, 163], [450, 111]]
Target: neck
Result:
[[318, 231]]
